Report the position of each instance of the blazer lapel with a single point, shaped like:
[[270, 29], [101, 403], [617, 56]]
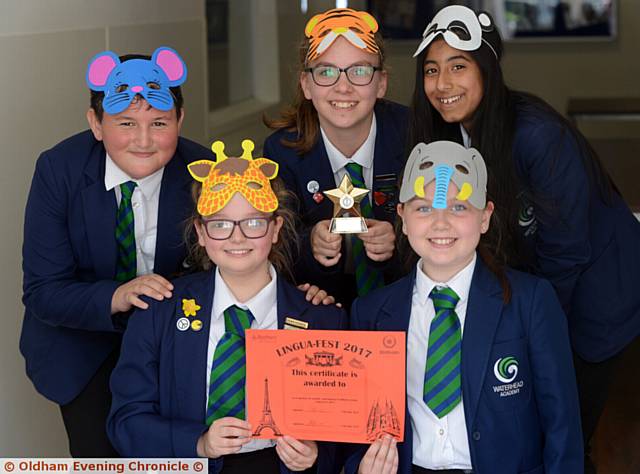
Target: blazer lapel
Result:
[[99, 209], [289, 303], [315, 166], [483, 316], [386, 160], [395, 314], [191, 347], [173, 211]]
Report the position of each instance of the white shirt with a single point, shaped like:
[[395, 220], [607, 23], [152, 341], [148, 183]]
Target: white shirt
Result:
[[363, 156], [438, 443], [466, 138], [145, 202], [263, 306]]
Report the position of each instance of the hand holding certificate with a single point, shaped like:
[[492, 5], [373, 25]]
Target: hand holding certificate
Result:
[[326, 385]]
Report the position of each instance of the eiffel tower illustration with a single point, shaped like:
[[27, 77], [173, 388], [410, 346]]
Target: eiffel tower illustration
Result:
[[266, 421]]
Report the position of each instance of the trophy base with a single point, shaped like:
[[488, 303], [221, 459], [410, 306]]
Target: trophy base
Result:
[[348, 225]]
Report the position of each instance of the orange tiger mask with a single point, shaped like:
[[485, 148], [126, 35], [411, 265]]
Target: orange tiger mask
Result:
[[356, 26], [229, 175]]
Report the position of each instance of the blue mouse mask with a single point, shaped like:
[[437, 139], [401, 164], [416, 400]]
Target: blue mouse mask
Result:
[[122, 81]]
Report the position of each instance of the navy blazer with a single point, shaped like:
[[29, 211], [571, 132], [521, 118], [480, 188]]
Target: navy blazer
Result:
[[590, 251], [297, 171], [534, 431], [69, 259], [159, 387]]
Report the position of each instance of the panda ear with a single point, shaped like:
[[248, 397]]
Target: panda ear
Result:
[[485, 21], [100, 68]]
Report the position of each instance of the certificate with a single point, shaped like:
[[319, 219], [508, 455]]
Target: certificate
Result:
[[344, 386]]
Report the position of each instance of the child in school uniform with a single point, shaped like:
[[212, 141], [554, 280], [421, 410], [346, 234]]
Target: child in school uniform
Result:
[[490, 381], [340, 124], [563, 217], [178, 388], [102, 227]]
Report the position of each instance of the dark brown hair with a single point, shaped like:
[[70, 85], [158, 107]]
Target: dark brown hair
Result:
[[301, 116]]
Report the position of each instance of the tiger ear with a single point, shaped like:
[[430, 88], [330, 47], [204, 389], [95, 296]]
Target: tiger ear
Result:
[[369, 20], [311, 24], [200, 169]]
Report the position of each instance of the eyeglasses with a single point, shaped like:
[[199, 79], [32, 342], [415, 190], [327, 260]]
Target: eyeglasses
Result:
[[357, 74], [251, 228]]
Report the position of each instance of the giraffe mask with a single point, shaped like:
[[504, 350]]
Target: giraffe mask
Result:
[[229, 175]]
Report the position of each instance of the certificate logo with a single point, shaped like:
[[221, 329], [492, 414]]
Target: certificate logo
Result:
[[389, 342], [323, 359]]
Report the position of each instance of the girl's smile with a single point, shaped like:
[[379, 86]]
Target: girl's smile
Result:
[[239, 256], [452, 83], [445, 239]]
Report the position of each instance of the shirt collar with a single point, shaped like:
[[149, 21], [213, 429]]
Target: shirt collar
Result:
[[363, 155], [260, 305], [460, 282], [114, 176], [466, 138]]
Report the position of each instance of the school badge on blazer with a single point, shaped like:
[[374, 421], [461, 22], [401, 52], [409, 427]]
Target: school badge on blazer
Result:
[[189, 308], [507, 380]]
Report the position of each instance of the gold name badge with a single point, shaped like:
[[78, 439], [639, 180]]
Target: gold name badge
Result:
[[290, 323]]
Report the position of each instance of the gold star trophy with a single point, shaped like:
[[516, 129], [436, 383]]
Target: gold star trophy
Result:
[[347, 218]]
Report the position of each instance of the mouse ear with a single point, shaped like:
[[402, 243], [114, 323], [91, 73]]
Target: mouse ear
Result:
[[99, 69], [172, 64]]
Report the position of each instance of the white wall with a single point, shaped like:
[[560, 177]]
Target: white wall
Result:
[[44, 50]]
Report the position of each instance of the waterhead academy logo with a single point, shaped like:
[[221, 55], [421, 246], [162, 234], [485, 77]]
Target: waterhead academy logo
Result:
[[506, 369]]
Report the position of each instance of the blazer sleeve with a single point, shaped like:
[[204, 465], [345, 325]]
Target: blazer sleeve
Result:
[[554, 383], [51, 289], [135, 425], [551, 165]]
